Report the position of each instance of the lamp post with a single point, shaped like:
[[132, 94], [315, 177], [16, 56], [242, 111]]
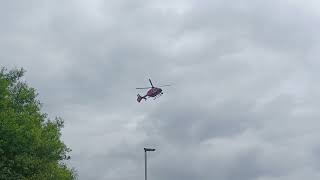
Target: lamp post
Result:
[[145, 161]]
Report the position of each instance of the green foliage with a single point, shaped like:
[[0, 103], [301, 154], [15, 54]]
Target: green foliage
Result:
[[30, 145]]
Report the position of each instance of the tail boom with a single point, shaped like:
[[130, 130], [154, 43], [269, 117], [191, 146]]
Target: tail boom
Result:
[[141, 97]]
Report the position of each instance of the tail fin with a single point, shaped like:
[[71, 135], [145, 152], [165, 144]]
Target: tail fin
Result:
[[140, 98]]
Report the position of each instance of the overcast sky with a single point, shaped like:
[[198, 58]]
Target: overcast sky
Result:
[[245, 96]]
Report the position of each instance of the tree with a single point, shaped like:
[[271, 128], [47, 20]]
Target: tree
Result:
[[30, 145]]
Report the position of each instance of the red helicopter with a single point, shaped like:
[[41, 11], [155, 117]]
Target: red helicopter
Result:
[[152, 92]]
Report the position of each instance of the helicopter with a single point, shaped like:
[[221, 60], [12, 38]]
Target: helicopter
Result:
[[154, 92]]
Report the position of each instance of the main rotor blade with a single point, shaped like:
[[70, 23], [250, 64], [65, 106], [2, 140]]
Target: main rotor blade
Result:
[[144, 88], [151, 82], [164, 85]]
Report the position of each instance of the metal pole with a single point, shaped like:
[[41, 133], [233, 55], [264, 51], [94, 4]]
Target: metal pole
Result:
[[145, 165], [145, 161]]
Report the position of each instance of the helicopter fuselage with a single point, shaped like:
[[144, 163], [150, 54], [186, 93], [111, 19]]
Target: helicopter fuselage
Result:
[[153, 92]]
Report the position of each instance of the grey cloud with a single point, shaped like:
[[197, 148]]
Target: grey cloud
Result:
[[244, 99]]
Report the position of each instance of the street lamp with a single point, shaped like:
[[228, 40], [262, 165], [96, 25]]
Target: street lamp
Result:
[[145, 161]]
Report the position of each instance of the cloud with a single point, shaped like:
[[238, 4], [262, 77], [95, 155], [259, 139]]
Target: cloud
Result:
[[243, 104]]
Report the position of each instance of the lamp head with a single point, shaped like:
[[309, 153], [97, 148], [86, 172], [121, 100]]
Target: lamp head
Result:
[[148, 149]]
